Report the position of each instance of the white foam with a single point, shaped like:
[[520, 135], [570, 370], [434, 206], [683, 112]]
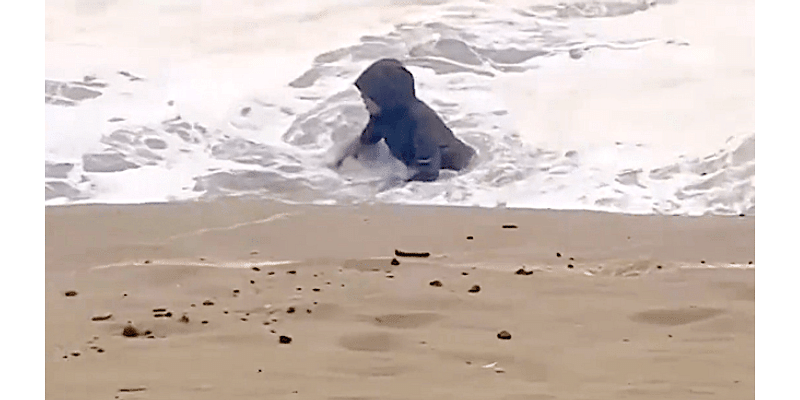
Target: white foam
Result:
[[622, 107]]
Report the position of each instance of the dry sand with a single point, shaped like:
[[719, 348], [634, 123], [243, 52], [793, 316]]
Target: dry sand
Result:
[[625, 322]]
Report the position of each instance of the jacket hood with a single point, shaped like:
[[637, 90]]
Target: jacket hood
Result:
[[387, 83]]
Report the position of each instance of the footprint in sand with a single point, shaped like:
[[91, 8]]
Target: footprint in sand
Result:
[[373, 341], [529, 397], [672, 317], [405, 321]]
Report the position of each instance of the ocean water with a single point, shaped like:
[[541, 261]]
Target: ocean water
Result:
[[631, 106]]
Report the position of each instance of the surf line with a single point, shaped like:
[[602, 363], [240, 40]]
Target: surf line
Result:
[[232, 227], [193, 263]]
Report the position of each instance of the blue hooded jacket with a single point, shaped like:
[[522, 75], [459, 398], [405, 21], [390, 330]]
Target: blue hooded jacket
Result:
[[413, 132]]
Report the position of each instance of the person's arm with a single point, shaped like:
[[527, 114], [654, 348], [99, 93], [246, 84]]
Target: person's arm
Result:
[[369, 136], [349, 151]]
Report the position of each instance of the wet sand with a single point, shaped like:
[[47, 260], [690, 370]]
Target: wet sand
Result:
[[560, 304]]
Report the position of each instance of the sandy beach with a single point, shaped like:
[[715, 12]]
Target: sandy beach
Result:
[[573, 305]]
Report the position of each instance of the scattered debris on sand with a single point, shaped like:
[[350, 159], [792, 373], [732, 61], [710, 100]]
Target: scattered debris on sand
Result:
[[522, 271], [131, 331], [135, 389], [400, 253], [102, 317]]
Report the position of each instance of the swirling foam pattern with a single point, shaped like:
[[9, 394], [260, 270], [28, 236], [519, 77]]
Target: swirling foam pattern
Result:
[[279, 148]]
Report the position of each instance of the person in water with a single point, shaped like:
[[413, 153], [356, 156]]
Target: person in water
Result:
[[413, 132]]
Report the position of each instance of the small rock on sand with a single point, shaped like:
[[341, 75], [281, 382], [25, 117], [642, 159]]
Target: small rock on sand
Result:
[[509, 226], [395, 262], [135, 389], [102, 317], [184, 319], [436, 283], [130, 331], [208, 303], [522, 271], [70, 293], [504, 335], [474, 289], [285, 340], [401, 253]]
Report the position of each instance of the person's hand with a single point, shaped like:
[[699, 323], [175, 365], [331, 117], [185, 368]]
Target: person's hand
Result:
[[335, 165]]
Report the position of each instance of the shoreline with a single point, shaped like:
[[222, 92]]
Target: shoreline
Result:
[[544, 232]]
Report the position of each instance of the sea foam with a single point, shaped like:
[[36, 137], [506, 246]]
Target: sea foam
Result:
[[201, 125]]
